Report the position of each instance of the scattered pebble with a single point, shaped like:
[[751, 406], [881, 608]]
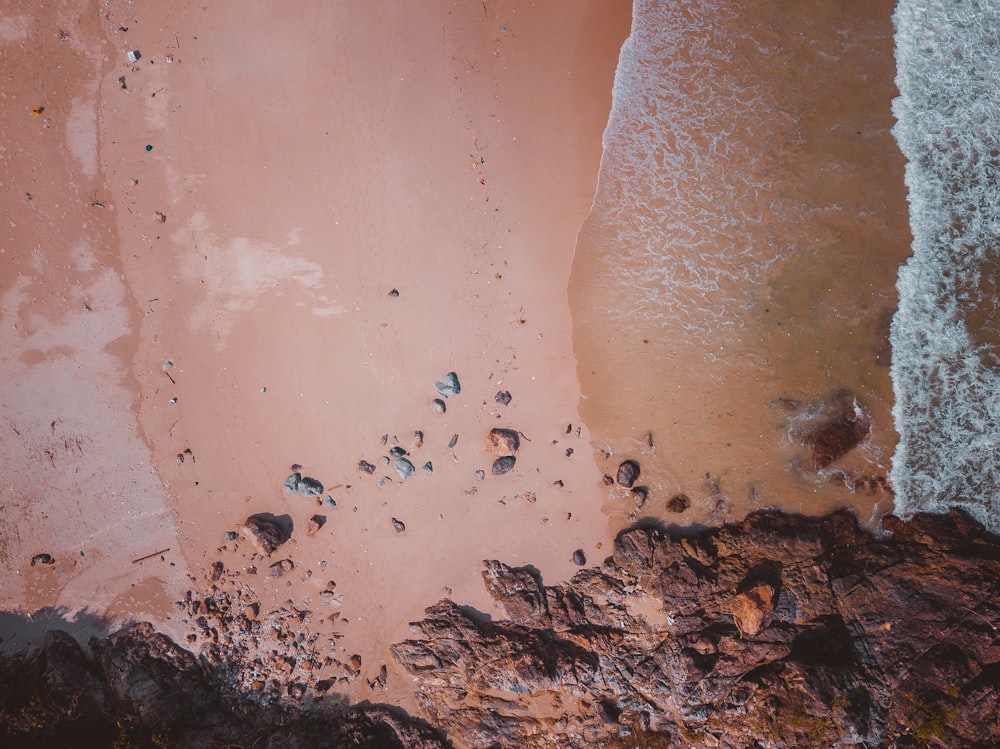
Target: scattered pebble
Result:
[[232, 535], [480, 474], [394, 293], [43, 559], [438, 405], [569, 451], [428, 466], [503, 464], [449, 387], [628, 472], [399, 525], [679, 503], [329, 501], [579, 558], [315, 523], [503, 398], [404, 468], [365, 467], [453, 441], [397, 452]]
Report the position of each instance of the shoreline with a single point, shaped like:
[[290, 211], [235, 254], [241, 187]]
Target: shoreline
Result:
[[782, 629]]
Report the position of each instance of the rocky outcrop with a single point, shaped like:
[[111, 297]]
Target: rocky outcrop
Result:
[[141, 689], [776, 632]]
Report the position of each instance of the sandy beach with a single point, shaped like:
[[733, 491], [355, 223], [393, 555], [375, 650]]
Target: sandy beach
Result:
[[278, 231]]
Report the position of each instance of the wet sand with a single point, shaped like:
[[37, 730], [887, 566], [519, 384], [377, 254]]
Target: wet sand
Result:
[[268, 177], [77, 480], [796, 202]]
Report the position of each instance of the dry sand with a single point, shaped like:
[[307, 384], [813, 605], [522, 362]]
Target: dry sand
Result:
[[305, 162]]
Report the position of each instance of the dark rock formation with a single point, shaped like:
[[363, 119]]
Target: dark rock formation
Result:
[[267, 531], [140, 689], [628, 472], [776, 632], [502, 442], [365, 467], [503, 465]]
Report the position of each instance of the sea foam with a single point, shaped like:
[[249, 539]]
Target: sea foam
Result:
[[945, 337]]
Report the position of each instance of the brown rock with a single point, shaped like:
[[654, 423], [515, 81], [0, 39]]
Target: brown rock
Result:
[[282, 568], [753, 609], [502, 442], [315, 523], [267, 531], [678, 503]]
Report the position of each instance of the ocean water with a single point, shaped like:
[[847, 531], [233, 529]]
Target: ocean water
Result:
[[946, 333], [738, 266]]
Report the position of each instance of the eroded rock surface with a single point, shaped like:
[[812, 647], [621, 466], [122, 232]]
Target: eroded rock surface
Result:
[[138, 688], [777, 632]]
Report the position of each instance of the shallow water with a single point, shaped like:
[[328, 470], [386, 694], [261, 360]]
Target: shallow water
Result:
[[739, 261]]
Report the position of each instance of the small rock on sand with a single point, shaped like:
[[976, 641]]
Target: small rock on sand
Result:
[[365, 467], [438, 405], [453, 441], [315, 523], [502, 442], [678, 503], [480, 474], [42, 559], [266, 533], [579, 558], [628, 472], [404, 468], [428, 466], [503, 397], [397, 452], [449, 387], [280, 569], [502, 465], [305, 485], [399, 525]]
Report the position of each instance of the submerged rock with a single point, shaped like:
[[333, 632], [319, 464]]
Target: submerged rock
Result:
[[831, 429]]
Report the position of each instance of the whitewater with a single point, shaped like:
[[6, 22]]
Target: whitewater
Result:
[[945, 334]]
